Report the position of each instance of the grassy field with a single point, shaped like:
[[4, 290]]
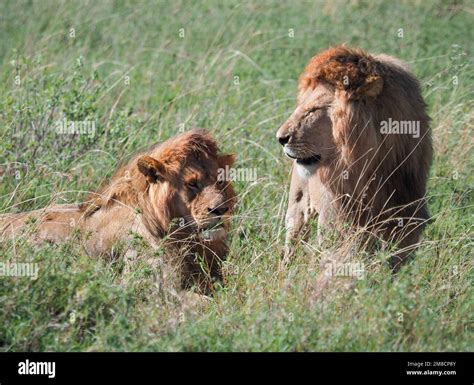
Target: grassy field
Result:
[[142, 71]]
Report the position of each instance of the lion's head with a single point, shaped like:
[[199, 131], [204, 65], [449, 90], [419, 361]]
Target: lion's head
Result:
[[338, 96], [307, 136], [176, 186], [361, 126], [184, 172]]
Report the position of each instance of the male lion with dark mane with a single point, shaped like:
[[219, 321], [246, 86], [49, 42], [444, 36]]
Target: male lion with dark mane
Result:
[[362, 150], [169, 195]]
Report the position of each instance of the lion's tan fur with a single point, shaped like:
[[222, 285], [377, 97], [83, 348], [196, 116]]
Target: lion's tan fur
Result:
[[149, 205], [372, 180]]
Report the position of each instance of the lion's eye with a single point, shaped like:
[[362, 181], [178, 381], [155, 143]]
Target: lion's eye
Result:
[[193, 185], [314, 109]]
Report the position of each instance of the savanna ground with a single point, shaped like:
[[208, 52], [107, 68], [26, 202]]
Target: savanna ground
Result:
[[143, 71]]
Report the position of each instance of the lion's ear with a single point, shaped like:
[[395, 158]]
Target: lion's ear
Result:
[[151, 168], [226, 160], [372, 87]]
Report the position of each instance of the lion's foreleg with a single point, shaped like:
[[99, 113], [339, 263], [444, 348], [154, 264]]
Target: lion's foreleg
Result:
[[297, 230], [297, 216]]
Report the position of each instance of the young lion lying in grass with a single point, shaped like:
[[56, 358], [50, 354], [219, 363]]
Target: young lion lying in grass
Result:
[[170, 196]]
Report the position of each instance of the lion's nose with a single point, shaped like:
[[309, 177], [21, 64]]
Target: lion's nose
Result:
[[284, 139], [218, 210]]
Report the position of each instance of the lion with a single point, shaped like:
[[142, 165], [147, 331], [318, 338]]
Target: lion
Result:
[[170, 195], [360, 140]]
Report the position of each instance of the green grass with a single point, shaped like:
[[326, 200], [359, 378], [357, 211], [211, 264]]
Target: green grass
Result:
[[128, 70]]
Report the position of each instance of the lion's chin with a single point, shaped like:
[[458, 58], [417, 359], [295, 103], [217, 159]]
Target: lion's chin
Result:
[[306, 170], [302, 159], [305, 166], [211, 235]]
